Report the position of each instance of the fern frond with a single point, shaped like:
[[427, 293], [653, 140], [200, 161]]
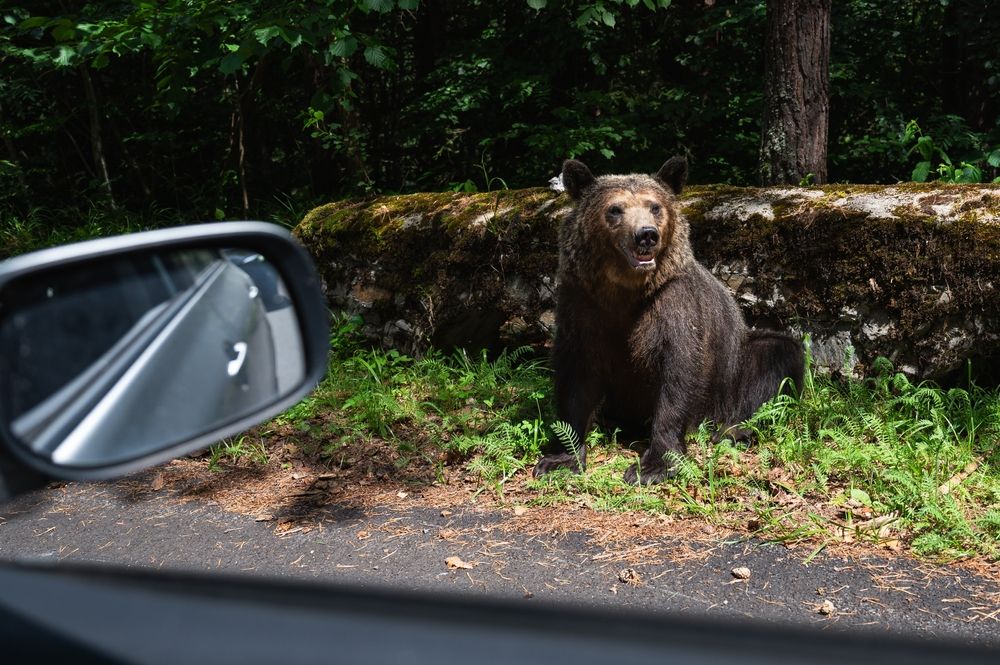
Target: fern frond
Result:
[[567, 436]]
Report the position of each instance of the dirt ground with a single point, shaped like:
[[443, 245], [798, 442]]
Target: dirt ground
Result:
[[295, 487]]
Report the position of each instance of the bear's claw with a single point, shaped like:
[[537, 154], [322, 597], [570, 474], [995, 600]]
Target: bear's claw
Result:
[[651, 475], [557, 461]]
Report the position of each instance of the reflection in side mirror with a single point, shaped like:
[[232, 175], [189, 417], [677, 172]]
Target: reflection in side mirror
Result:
[[119, 358]]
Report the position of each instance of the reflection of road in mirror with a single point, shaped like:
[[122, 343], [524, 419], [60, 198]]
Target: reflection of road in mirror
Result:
[[202, 338]]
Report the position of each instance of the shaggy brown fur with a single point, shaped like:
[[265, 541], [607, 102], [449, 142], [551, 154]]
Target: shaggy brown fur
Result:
[[645, 330]]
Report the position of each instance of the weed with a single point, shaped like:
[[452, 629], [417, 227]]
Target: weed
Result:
[[965, 171], [568, 437], [238, 450], [891, 447]]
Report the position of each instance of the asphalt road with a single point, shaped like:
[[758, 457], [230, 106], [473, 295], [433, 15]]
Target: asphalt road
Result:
[[112, 524]]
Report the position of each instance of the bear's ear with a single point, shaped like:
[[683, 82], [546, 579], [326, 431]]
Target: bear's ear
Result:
[[576, 178], [674, 174]]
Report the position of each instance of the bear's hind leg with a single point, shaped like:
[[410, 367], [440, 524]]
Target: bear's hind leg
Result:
[[768, 358], [670, 425]]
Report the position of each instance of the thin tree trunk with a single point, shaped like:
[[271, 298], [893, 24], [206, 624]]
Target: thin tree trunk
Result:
[[243, 99], [96, 141], [796, 92], [242, 160]]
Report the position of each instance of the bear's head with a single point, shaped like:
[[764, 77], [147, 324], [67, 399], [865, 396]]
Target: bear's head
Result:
[[634, 216]]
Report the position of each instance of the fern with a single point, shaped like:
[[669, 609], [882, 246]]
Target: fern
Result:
[[569, 438], [508, 361]]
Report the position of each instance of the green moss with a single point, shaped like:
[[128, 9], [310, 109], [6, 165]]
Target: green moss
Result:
[[821, 255], [824, 257]]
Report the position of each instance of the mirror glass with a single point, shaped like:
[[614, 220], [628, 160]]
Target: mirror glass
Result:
[[113, 359]]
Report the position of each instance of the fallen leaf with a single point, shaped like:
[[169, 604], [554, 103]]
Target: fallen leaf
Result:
[[741, 573], [445, 513], [402, 495], [447, 534], [777, 474], [363, 534], [630, 576], [158, 482], [454, 562], [520, 510]]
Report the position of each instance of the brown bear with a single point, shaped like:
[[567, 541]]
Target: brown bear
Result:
[[643, 331]]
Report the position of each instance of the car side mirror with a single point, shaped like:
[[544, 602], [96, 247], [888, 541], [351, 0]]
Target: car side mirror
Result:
[[120, 353]]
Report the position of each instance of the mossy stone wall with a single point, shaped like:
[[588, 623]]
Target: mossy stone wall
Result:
[[910, 272]]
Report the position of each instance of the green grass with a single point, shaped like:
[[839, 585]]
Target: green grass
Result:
[[889, 447], [488, 410], [44, 227], [848, 460], [236, 450]]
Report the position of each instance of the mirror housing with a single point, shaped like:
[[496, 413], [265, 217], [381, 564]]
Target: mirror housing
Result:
[[121, 353]]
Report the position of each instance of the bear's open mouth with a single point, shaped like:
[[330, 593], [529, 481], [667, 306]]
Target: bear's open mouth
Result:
[[640, 258]]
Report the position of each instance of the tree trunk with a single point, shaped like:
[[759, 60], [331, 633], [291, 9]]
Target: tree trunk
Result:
[[96, 140], [796, 92]]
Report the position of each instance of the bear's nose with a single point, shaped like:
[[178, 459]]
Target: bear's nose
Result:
[[647, 236]]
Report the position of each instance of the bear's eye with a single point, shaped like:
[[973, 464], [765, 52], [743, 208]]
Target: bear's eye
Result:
[[655, 209], [615, 211]]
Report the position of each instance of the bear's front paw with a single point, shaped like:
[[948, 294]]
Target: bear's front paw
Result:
[[651, 474], [558, 461]]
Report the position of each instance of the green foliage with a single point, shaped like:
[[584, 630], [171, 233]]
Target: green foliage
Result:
[[183, 84], [217, 109], [235, 451], [487, 409], [825, 466], [884, 71], [41, 227], [891, 445], [930, 152], [567, 436], [504, 450]]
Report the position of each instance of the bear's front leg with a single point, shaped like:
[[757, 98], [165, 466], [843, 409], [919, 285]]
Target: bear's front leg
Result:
[[578, 415], [652, 469], [578, 394], [667, 436]]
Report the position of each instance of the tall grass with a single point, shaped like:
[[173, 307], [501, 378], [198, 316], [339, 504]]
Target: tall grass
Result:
[[923, 454]]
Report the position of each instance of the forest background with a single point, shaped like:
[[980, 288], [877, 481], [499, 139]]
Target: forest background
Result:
[[184, 110]]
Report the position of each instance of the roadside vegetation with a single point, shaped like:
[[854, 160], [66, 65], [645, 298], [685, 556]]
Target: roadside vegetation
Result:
[[904, 466], [41, 227]]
